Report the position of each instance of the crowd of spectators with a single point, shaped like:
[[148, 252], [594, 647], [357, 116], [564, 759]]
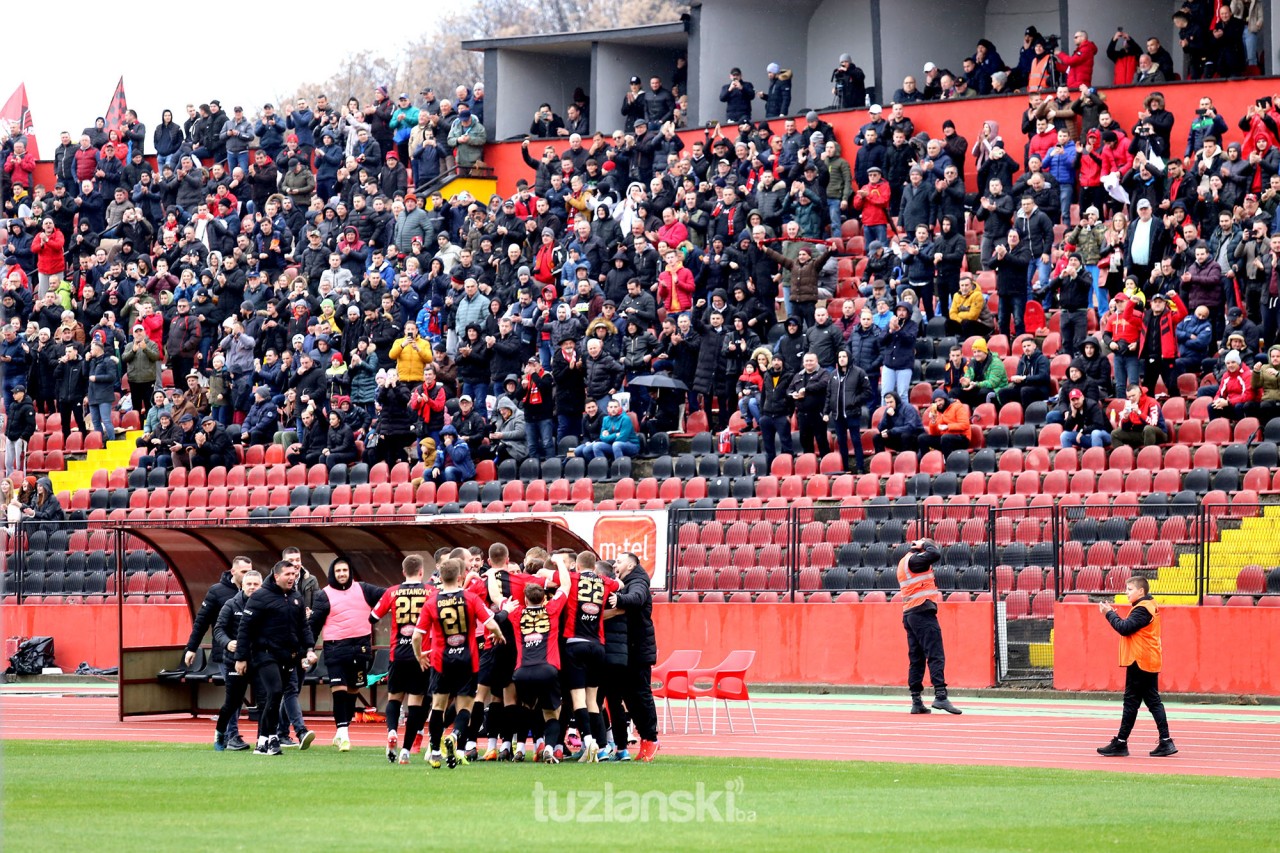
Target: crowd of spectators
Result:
[[287, 277]]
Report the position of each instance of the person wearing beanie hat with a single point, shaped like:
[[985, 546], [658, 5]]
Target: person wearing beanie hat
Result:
[[340, 613], [946, 424], [920, 600], [777, 101], [848, 84], [737, 95], [984, 376], [468, 137], [1072, 288], [1234, 394], [1158, 343]]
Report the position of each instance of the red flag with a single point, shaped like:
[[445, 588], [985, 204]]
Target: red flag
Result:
[[17, 110], [115, 112]]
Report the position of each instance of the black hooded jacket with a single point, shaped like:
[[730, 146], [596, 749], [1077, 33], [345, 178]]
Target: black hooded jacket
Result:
[[228, 624], [636, 599], [218, 595]]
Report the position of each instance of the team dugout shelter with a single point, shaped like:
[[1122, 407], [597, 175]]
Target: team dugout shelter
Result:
[[199, 553]]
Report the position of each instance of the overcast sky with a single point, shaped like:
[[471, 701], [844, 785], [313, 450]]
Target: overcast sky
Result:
[[66, 89]]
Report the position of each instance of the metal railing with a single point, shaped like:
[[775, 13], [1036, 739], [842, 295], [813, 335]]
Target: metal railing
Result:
[[1028, 556]]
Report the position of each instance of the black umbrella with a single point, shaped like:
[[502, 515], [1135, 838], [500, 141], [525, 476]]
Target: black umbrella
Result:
[[658, 380]]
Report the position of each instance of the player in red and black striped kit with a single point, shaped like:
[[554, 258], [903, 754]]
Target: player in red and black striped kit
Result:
[[406, 681], [583, 659], [537, 673], [452, 654]]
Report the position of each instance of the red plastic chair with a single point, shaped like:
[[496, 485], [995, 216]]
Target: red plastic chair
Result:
[[728, 681], [672, 680]]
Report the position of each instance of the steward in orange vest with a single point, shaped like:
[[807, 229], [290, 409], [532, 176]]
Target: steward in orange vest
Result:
[[920, 600], [1140, 653]]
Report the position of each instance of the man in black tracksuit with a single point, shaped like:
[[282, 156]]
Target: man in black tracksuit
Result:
[[225, 630], [274, 638], [217, 596], [613, 685], [1073, 288], [642, 649]]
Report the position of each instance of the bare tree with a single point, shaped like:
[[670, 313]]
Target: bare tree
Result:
[[436, 57]]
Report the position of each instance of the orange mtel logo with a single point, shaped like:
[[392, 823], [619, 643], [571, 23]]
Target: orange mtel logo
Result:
[[639, 535]]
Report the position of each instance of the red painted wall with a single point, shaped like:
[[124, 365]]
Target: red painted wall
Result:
[[1233, 650], [1227, 650], [827, 643], [90, 632], [1231, 98]]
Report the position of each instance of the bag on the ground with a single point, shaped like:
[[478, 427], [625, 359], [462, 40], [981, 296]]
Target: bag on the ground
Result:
[[32, 657]]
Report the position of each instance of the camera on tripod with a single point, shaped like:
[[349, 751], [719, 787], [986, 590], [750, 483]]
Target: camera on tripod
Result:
[[1052, 42]]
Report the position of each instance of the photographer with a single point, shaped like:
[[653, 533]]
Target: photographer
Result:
[[71, 383], [849, 84], [545, 123], [1207, 123], [737, 96], [411, 354]]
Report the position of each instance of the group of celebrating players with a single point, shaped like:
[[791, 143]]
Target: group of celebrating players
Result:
[[493, 646]]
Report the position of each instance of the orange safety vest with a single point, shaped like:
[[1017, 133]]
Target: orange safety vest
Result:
[[1143, 647], [917, 588]]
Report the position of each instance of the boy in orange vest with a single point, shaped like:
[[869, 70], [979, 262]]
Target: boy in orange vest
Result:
[[1140, 653]]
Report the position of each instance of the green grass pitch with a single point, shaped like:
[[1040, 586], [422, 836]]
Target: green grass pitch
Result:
[[158, 797]]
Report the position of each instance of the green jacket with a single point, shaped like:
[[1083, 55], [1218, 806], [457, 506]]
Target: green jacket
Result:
[[993, 378], [472, 150], [1088, 242], [840, 180], [140, 365]]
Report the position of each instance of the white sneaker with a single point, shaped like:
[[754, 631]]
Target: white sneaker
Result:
[[344, 741], [549, 756], [590, 751], [404, 756]]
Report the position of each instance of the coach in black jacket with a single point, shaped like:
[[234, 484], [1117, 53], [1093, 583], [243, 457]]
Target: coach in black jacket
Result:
[[274, 637], [225, 630], [613, 687], [642, 649], [218, 595]]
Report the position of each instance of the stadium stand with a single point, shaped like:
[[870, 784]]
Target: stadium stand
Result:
[[1021, 517]]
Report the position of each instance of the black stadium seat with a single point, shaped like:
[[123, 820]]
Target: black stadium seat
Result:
[[574, 469]]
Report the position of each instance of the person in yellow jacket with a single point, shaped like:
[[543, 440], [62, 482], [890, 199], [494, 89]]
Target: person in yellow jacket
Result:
[[1140, 653], [412, 354], [920, 600]]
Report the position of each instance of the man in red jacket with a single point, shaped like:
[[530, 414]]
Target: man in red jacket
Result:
[[48, 248], [86, 160], [1079, 64], [20, 165], [873, 201]]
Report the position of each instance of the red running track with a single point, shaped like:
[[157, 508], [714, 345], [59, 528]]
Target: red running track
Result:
[[1226, 741]]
